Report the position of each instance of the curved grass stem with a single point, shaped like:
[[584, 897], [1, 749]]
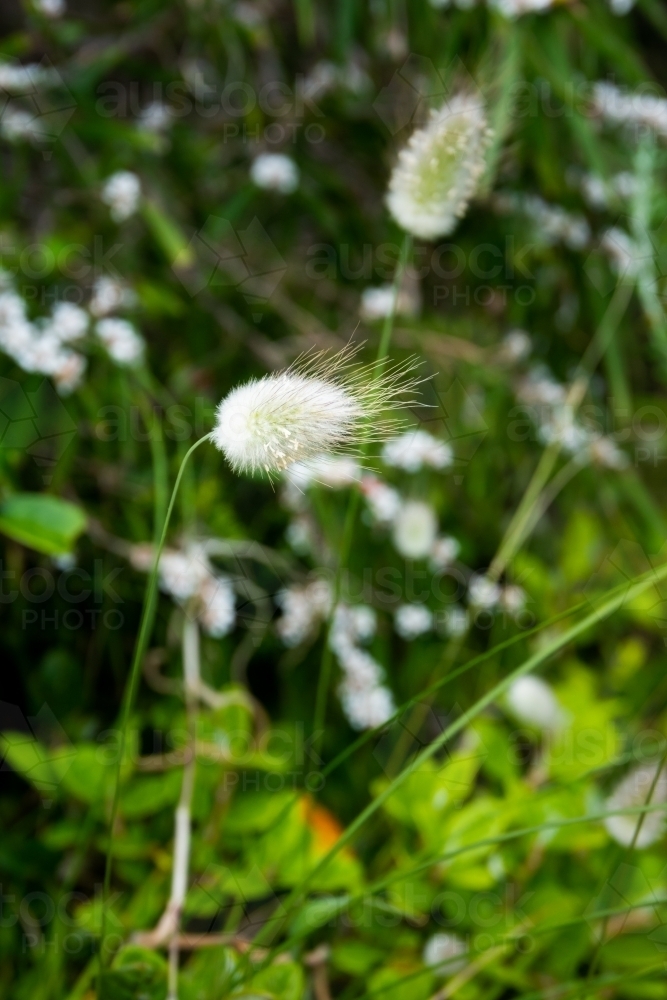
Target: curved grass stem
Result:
[[141, 645]]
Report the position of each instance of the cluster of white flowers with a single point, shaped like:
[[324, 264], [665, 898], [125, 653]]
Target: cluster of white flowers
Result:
[[122, 193], [188, 577], [326, 76], [446, 953], [438, 171], [17, 79], [632, 792], [304, 608], [275, 172], [377, 302], [557, 422], [552, 223], [619, 107], [41, 347], [17, 124], [366, 701], [532, 701], [415, 449], [603, 193], [121, 340]]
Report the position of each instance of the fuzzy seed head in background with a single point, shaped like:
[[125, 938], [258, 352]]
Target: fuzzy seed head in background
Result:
[[438, 171], [321, 405]]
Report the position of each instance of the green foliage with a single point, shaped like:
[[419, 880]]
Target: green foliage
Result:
[[42, 522], [464, 847]]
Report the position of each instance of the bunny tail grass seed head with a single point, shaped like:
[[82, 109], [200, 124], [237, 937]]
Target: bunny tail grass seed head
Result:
[[437, 172], [322, 404]]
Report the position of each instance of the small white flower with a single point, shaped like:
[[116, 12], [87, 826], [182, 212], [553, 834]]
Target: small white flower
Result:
[[415, 530], [366, 708], [17, 124], [444, 551], [516, 345], [108, 296], [218, 611], [412, 620], [378, 303], [560, 426], [438, 171], [414, 449], [121, 192], [442, 949], [181, 574], [633, 792], [156, 117], [533, 702], [121, 340], [68, 322], [456, 622], [513, 599], [298, 536], [540, 387], [604, 451], [50, 8], [275, 172], [352, 625], [482, 592], [303, 610], [623, 252], [318, 406], [16, 78], [384, 502], [69, 373], [515, 8]]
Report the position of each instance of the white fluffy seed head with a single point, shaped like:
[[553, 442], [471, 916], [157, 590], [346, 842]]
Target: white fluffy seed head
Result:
[[438, 171], [320, 405]]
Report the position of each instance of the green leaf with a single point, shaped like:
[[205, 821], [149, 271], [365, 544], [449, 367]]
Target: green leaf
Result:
[[42, 522], [317, 913], [145, 796], [136, 974], [284, 982]]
